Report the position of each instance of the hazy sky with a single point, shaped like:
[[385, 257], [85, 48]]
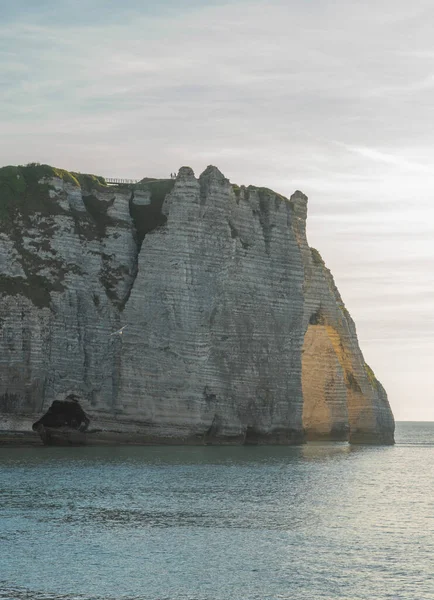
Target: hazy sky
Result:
[[335, 98]]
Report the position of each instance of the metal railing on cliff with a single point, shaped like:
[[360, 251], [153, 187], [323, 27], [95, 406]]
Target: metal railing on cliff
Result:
[[117, 181]]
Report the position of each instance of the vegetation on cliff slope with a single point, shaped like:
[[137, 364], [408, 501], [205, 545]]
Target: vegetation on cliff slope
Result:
[[25, 189], [317, 258], [371, 376]]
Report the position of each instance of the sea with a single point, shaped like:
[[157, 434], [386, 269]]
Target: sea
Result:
[[319, 521]]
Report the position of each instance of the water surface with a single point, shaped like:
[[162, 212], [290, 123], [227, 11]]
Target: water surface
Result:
[[321, 521]]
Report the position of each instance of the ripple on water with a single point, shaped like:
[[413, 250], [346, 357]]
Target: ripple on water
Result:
[[319, 521]]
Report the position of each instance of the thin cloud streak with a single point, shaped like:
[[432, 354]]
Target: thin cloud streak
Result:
[[379, 156]]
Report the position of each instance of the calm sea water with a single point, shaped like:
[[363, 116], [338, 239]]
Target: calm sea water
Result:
[[312, 522]]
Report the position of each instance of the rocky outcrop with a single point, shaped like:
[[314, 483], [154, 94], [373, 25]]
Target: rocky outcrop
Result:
[[235, 330]]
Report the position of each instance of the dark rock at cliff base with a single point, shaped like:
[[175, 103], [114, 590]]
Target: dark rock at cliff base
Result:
[[64, 413]]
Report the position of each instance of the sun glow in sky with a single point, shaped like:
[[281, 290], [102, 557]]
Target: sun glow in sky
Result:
[[335, 98]]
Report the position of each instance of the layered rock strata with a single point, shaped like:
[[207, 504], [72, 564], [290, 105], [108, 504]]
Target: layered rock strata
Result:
[[235, 330]]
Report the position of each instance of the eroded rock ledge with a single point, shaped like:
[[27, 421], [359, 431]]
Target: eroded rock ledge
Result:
[[235, 332]]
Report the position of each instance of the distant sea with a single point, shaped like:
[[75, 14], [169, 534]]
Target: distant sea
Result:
[[320, 521]]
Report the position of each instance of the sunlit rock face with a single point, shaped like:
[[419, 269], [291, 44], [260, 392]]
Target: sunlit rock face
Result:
[[235, 331]]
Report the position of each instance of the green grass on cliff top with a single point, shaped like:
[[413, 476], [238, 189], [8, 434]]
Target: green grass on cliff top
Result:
[[20, 186]]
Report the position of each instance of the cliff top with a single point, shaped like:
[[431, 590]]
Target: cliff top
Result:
[[23, 186], [27, 189], [34, 172]]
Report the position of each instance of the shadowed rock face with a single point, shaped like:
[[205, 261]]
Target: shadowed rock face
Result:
[[235, 331]]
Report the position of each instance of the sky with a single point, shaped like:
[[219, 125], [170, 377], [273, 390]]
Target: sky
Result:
[[335, 98]]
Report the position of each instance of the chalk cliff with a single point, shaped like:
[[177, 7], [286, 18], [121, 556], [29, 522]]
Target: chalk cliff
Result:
[[235, 331]]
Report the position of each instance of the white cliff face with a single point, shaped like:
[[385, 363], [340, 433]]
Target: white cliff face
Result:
[[235, 330], [58, 312], [214, 343]]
